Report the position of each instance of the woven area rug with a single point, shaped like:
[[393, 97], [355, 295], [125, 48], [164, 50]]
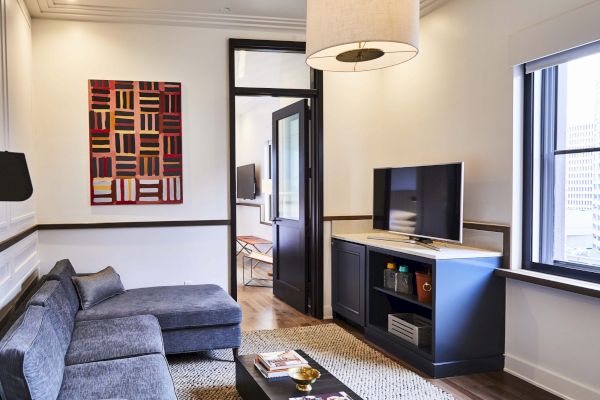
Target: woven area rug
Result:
[[369, 373]]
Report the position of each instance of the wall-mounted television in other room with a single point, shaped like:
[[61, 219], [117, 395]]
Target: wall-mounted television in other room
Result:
[[246, 182], [420, 202]]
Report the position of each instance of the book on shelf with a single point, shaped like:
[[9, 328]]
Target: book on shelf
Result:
[[327, 396], [281, 360]]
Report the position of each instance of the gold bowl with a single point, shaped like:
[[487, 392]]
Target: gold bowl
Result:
[[304, 376]]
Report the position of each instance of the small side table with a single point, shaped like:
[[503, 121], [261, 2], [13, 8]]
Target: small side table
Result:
[[250, 242], [254, 259]]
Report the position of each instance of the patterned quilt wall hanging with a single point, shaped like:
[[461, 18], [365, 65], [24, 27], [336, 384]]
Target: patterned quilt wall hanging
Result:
[[135, 142]]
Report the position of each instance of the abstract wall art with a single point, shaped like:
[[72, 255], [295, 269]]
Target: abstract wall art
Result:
[[135, 142]]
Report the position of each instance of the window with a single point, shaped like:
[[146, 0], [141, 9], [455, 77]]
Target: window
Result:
[[271, 69], [562, 164]]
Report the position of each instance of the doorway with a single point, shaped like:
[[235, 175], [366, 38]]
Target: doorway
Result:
[[270, 77]]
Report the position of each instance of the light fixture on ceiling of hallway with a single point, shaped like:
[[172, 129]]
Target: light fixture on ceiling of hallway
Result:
[[361, 35]]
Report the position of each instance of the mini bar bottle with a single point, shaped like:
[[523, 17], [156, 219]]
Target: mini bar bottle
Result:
[[389, 276]]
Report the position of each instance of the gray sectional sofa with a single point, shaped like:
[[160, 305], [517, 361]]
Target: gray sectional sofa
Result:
[[116, 349]]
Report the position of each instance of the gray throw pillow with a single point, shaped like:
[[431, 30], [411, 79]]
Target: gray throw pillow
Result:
[[95, 288]]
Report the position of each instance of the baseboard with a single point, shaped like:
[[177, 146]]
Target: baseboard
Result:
[[549, 381], [327, 312]]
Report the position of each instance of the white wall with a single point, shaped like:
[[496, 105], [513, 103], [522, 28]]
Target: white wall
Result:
[[143, 257], [249, 222], [66, 55], [454, 101], [552, 339], [16, 134]]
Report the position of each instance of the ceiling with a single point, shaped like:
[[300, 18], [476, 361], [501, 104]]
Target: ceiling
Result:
[[265, 14]]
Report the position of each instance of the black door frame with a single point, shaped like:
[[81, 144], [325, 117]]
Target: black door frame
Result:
[[315, 224]]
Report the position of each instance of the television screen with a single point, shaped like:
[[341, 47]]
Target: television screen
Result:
[[246, 182], [423, 201]]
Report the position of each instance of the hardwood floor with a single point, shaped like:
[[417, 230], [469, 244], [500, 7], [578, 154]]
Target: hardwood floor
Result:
[[261, 310]]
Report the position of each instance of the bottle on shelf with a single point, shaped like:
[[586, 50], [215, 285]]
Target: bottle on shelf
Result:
[[389, 276], [404, 281]]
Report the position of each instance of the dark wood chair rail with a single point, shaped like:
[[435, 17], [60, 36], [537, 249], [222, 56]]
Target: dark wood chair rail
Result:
[[5, 244]]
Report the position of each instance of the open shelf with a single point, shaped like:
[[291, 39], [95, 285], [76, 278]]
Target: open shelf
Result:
[[424, 351], [411, 298], [467, 315]]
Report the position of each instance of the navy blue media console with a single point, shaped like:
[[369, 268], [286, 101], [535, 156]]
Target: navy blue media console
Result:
[[467, 311]]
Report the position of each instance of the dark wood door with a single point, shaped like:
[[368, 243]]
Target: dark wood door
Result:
[[348, 267], [290, 205]]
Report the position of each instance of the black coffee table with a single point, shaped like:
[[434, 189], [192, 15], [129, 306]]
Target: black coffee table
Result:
[[251, 385]]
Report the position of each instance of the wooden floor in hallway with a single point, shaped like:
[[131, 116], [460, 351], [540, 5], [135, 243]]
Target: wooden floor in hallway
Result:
[[261, 310]]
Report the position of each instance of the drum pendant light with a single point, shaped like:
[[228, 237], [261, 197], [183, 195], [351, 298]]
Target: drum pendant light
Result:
[[361, 35]]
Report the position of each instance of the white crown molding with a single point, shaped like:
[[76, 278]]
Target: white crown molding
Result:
[[57, 9], [429, 6], [25, 11]]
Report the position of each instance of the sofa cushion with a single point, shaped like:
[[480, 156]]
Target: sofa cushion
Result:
[[106, 339], [31, 357], [144, 377], [62, 272], [53, 296], [175, 306], [190, 340], [95, 288]]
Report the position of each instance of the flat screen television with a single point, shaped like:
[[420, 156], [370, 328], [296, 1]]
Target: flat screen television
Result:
[[246, 182], [423, 202]]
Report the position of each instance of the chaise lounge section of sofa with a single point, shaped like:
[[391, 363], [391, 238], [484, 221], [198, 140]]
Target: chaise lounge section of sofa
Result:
[[115, 349]]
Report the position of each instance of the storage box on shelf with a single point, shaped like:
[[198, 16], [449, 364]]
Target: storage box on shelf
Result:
[[411, 327]]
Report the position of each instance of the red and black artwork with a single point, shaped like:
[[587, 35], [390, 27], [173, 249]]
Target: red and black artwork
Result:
[[135, 142]]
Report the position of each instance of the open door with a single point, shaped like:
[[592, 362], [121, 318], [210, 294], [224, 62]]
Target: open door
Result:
[[290, 204]]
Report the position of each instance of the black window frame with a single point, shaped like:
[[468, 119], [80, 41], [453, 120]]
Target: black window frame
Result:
[[548, 135]]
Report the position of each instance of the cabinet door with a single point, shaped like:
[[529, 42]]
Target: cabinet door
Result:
[[348, 280]]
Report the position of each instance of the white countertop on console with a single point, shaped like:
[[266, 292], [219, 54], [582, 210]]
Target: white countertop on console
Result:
[[448, 251]]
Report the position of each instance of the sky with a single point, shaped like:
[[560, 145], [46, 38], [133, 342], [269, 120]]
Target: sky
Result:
[[583, 90]]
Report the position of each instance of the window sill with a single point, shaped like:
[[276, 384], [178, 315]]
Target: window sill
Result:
[[552, 281]]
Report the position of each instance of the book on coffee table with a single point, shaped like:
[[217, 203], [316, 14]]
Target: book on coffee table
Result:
[[269, 374], [327, 396], [252, 385], [281, 360]]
